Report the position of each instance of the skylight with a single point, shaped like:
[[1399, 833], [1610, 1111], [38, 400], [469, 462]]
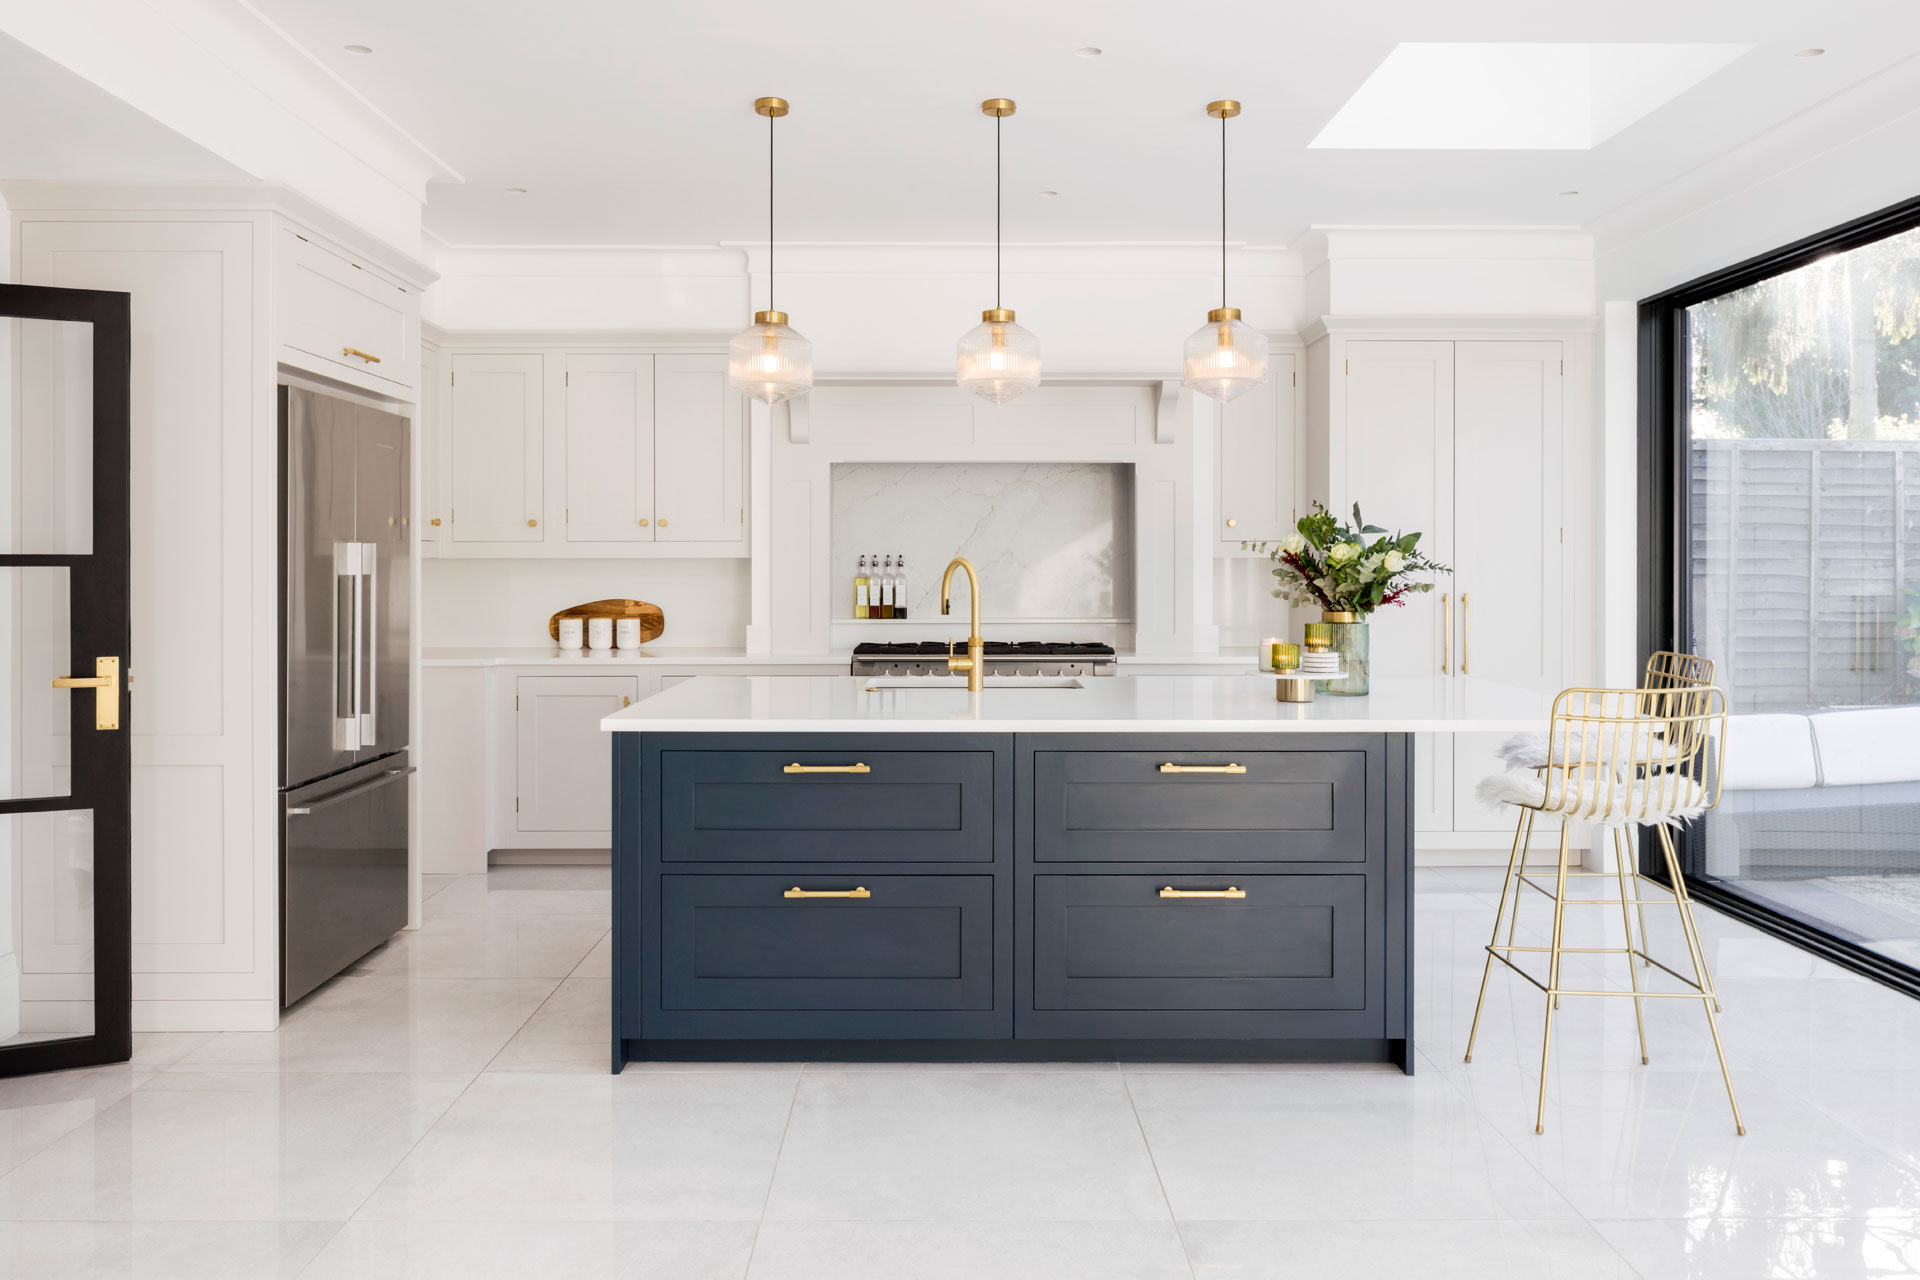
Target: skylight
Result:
[[1507, 97]]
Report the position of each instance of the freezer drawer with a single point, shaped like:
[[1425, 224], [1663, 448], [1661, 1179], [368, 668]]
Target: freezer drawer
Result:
[[343, 872]]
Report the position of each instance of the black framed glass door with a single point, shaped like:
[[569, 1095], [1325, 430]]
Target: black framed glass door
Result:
[[1780, 501], [65, 633]]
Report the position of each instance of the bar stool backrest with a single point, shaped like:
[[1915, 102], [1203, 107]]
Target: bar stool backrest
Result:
[[1669, 670], [1635, 755]]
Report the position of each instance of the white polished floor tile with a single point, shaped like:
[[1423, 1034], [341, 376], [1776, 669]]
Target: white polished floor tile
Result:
[[572, 1031], [1783, 1248], [494, 945], [514, 1250], [980, 1146], [525, 890], [374, 1022], [1247, 1147], [683, 1146], [598, 963], [968, 1251], [255, 1146], [157, 1050], [161, 1250], [1464, 1250], [431, 884], [35, 1110]]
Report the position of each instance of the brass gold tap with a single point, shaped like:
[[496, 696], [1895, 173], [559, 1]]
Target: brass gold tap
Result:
[[975, 663]]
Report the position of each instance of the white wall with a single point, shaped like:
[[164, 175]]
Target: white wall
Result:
[[9, 872], [506, 603]]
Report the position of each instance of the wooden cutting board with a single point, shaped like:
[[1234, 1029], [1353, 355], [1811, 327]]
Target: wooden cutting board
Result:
[[652, 620]]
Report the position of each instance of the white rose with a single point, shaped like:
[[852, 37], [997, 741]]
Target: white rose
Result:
[[1341, 552], [1293, 544], [1394, 562]]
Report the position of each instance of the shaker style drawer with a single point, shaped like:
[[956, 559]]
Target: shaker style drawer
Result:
[[826, 806], [1292, 942], [749, 942], [1206, 806], [345, 316]]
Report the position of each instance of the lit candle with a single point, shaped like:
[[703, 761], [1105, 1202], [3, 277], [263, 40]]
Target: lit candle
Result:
[[1286, 657], [1268, 648]]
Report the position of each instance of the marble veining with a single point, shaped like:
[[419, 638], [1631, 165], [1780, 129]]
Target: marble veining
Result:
[[1052, 540]]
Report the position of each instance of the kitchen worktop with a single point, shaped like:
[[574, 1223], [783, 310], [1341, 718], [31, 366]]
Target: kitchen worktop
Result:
[[1115, 704], [655, 655]]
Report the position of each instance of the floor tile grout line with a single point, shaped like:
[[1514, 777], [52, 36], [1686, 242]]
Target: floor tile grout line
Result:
[[1154, 1163], [793, 1103]]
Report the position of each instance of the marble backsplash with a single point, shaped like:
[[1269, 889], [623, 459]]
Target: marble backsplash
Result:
[[1053, 541]]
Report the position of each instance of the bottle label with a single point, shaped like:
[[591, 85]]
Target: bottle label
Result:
[[860, 600]]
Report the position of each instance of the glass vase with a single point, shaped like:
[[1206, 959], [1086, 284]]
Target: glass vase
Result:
[[1349, 635]]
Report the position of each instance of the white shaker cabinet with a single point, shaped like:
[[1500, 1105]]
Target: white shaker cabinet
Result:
[[430, 512], [495, 438], [610, 448], [1255, 467], [697, 442], [563, 781]]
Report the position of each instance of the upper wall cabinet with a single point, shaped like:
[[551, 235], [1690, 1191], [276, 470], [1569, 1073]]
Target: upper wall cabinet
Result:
[[343, 320], [1256, 471], [590, 454]]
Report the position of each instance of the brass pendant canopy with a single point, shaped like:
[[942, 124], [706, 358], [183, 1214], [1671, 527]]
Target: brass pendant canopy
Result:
[[997, 359], [769, 360], [1224, 358]]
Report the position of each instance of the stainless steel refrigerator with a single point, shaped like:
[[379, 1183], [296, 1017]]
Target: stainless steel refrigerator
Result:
[[345, 622]]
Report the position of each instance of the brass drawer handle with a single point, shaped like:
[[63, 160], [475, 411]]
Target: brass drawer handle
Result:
[[797, 767], [1466, 632], [1203, 768], [355, 351], [1231, 891], [798, 892]]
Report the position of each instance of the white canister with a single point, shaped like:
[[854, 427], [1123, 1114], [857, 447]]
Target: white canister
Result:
[[626, 633], [572, 630], [599, 633]]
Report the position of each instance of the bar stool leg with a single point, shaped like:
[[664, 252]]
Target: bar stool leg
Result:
[[1646, 946], [1705, 980], [1507, 886], [1553, 978], [1626, 923]]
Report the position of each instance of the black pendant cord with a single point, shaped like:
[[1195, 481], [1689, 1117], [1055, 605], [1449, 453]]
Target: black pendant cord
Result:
[[1223, 212], [996, 213], [770, 306]]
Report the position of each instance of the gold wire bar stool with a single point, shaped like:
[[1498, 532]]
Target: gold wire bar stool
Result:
[[1665, 669], [1618, 758]]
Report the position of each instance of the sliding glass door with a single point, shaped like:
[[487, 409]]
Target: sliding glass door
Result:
[[1784, 424]]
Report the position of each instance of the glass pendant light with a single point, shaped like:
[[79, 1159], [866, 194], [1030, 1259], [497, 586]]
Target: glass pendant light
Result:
[[1225, 358], [770, 361], [998, 359]]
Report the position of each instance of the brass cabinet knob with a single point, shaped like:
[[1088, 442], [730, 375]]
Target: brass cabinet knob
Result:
[[1232, 523], [643, 522], [436, 522], [532, 524], [663, 522]]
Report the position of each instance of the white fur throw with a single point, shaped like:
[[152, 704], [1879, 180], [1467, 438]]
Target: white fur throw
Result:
[[1592, 800], [1525, 750]]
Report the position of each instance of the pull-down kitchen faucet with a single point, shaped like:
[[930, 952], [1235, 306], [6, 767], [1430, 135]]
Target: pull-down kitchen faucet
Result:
[[975, 663]]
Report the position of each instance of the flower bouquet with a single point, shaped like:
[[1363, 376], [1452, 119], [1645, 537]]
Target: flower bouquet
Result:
[[1347, 571]]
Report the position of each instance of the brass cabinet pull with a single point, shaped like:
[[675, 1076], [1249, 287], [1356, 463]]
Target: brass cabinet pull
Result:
[[1466, 632], [1203, 768], [643, 522], [1232, 523], [797, 767], [798, 892], [105, 683], [663, 522], [1446, 633], [1231, 891], [436, 522], [355, 351], [533, 524]]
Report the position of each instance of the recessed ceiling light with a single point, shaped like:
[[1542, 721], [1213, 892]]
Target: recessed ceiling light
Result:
[[1049, 193], [516, 191], [1809, 53], [357, 48], [1089, 52]]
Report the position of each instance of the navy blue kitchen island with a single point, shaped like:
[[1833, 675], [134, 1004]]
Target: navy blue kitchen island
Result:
[[1152, 868]]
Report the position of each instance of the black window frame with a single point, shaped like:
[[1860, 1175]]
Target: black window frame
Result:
[[1665, 585]]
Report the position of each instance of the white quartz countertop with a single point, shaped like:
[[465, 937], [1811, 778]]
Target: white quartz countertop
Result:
[[1106, 704], [655, 655]]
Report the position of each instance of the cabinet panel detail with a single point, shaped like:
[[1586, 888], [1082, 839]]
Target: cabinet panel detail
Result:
[[496, 437]]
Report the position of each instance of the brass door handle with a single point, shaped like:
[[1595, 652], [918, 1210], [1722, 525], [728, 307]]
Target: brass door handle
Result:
[[798, 892], [355, 351], [105, 683], [1231, 891], [436, 522], [797, 767], [1446, 633], [1466, 632], [1203, 768]]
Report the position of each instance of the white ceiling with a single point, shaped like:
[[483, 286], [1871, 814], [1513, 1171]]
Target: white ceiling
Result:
[[60, 127], [632, 123]]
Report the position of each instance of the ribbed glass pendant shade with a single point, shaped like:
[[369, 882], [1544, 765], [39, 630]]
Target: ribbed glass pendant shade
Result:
[[998, 359], [770, 361], [1225, 358]]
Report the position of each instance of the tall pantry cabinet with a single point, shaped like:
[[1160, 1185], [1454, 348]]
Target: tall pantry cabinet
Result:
[[1464, 439]]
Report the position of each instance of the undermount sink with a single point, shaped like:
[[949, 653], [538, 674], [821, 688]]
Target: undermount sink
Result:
[[992, 682]]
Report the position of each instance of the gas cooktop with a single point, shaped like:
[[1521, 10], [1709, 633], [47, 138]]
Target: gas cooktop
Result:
[[1004, 658]]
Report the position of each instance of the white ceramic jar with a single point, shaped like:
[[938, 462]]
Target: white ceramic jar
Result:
[[599, 633], [626, 633], [572, 630]]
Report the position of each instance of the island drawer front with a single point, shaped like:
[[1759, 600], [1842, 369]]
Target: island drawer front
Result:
[[754, 806], [738, 942], [1294, 942], [1123, 806]]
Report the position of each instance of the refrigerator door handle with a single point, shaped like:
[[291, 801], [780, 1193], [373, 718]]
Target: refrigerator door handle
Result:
[[346, 646], [369, 638], [359, 789]]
